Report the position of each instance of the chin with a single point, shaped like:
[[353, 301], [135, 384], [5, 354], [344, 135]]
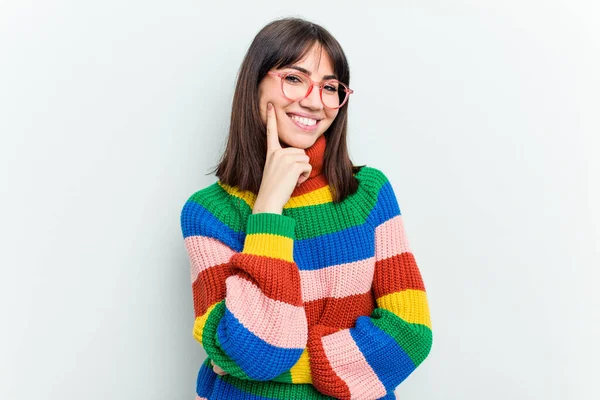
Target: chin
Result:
[[300, 141]]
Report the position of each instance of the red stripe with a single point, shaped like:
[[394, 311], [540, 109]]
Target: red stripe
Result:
[[276, 278], [209, 287], [395, 274], [339, 312]]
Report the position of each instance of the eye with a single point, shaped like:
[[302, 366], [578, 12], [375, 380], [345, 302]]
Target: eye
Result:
[[331, 87], [293, 79]]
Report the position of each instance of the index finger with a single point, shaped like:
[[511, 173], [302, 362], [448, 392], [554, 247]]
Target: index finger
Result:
[[272, 133]]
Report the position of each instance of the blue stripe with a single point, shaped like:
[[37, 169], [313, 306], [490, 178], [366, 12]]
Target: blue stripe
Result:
[[224, 390], [205, 380], [211, 386], [197, 220], [389, 361], [258, 359], [349, 245], [386, 206]]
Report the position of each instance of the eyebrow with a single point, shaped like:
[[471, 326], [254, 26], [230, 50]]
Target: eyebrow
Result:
[[307, 72]]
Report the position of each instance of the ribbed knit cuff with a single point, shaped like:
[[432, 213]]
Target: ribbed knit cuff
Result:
[[270, 235], [324, 378]]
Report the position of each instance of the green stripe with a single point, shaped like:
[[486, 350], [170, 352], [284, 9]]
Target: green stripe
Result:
[[355, 208], [275, 224], [317, 219], [414, 339], [220, 204], [285, 377]]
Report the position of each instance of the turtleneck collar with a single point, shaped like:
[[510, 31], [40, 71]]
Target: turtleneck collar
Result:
[[316, 155], [316, 158]]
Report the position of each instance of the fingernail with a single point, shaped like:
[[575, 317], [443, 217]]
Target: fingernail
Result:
[[269, 106]]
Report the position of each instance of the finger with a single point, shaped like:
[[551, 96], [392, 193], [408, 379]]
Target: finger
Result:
[[306, 170], [216, 368], [219, 370], [272, 134]]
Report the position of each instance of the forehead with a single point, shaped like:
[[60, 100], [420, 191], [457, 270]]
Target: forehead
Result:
[[317, 62]]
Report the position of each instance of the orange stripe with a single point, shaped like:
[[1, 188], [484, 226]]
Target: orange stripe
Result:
[[395, 274], [315, 183], [325, 379]]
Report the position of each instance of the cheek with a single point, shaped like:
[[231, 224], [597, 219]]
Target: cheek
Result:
[[262, 104], [269, 92], [331, 115]]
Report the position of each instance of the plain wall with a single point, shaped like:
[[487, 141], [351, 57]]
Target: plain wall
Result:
[[484, 115]]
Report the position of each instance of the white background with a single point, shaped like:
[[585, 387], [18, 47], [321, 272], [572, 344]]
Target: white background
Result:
[[484, 115]]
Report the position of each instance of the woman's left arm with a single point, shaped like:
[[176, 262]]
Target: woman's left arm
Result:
[[369, 360]]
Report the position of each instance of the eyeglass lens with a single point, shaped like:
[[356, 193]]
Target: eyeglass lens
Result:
[[295, 87]]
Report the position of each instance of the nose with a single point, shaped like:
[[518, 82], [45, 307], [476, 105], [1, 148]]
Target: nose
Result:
[[313, 100]]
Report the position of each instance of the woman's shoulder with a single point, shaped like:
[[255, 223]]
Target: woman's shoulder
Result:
[[205, 195], [218, 202], [221, 195], [378, 188], [371, 178]]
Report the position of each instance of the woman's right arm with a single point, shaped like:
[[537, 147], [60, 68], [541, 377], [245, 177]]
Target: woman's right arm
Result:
[[249, 315]]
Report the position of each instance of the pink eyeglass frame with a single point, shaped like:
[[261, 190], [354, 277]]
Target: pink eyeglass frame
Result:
[[282, 75]]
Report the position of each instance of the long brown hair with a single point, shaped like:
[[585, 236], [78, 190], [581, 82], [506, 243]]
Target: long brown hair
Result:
[[279, 44]]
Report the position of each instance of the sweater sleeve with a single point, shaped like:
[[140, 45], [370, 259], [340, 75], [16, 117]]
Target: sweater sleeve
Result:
[[249, 315], [370, 359]]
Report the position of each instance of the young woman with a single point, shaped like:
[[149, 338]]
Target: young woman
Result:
[[304, 284]]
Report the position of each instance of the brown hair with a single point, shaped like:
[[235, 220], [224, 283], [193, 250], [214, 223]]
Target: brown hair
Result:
[[279, 44]]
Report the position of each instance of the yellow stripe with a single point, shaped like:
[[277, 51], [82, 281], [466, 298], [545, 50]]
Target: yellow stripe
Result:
[[316, 197], [411, 305], [200, 322], [268, 245], [301, 370], [245, 195]]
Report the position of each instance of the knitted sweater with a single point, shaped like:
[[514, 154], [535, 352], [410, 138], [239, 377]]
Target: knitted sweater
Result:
[[323, 301]]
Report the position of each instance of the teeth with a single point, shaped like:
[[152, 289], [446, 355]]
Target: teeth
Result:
[[304, 121]]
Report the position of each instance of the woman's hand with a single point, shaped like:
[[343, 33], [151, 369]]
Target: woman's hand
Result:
[[217, 369], [285, 168]]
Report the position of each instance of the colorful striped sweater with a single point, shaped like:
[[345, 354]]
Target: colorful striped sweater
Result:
[[323, 301]]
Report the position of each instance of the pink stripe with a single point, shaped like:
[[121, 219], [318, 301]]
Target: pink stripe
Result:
[[351, 366], [265, 317], [200, 398], [338, 280], [206, 252], [390, 239]]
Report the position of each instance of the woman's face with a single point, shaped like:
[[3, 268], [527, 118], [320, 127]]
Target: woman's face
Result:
[[269, 90]]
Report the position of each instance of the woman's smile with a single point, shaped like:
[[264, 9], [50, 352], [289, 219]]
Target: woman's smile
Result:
[[304, 123]]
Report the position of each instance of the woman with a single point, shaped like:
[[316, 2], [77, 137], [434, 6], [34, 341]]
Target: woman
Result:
[[303, 281]]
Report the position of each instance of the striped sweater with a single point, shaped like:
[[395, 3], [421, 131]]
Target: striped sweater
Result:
[[323, 301]]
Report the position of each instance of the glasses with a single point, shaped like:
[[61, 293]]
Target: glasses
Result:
[[296, 86]]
